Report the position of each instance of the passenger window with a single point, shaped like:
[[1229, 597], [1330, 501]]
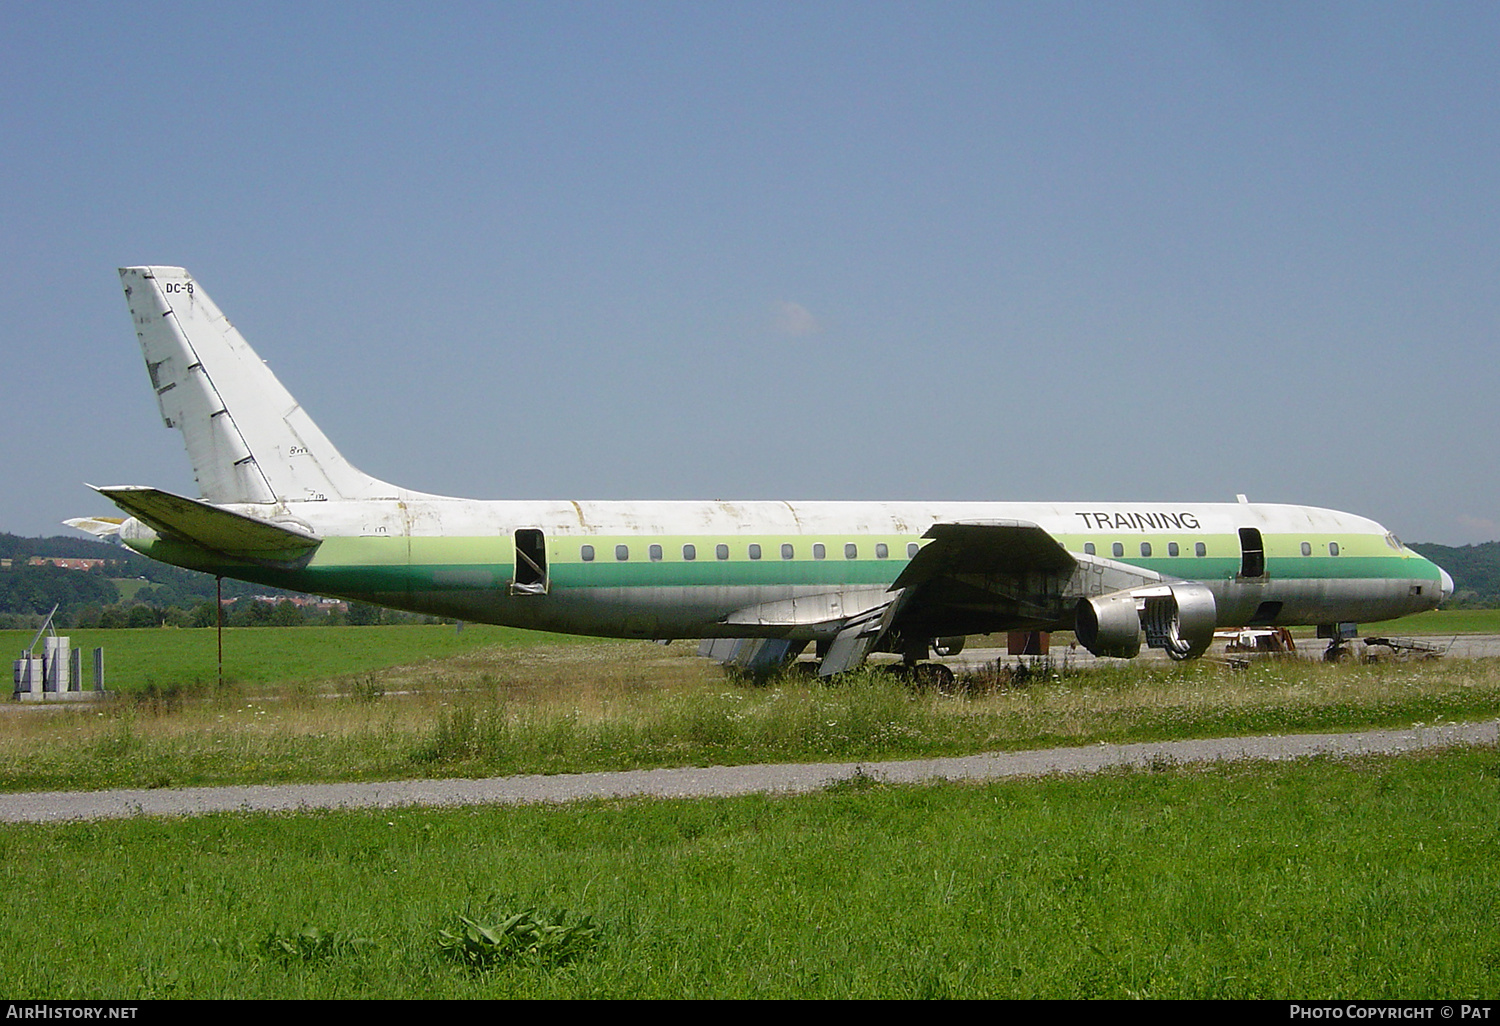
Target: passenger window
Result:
[[1145, 548], [721, 551], [819, 550], [786, 551], [1172, 549], [851, 550], [1199, 549], [1118, 548], [587, 552], [1333, 548], [1307, 548], [882, 551], [655, 553], [754, 550], [689, 552], [1088, 548], [622, 552], [911, 550]]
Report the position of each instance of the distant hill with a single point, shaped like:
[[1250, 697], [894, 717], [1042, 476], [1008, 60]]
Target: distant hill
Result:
[[1475, 570], [61, 546], [27, 590]]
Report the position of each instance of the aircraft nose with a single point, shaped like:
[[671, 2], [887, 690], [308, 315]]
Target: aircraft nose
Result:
[[1447, 583]]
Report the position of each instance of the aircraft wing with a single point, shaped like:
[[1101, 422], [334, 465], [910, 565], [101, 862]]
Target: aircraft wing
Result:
[[209, 526], [980, 576], [985, 547], [971, 578]]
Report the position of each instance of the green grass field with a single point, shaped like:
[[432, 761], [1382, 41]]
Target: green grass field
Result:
[[1438, 623], [1371, 878], [1362, 878], [172, 657]]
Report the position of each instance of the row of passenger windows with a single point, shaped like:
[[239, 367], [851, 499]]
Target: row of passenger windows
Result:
[[753, 550], [1199, 549]]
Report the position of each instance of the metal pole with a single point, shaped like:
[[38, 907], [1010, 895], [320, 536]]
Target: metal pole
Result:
[[219, 607]]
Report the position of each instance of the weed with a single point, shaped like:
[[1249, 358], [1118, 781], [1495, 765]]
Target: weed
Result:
[[1161, 762], [454, 738], [858, 781], [367, 688], [526, 936], [311, 944]]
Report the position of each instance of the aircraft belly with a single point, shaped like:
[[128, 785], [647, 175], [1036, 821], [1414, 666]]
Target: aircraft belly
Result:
[[1301, 601], [659, 612]]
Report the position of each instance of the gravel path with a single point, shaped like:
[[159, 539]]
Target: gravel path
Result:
[[50, 806]]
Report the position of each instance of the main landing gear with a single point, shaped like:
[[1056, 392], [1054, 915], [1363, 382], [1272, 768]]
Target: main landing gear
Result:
[[1339, 635], [928, 676]]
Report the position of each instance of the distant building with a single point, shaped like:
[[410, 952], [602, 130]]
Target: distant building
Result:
[[302, 602], [65, 563]]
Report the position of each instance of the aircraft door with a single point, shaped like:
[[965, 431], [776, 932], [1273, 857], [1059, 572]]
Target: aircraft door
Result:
[[531, 563], [1252, 553]]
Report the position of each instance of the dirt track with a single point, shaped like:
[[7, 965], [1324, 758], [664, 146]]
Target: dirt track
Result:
[[719, 781]]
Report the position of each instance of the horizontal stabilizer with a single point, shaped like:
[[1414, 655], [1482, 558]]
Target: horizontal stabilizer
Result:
[[209, 526], [99, 527]]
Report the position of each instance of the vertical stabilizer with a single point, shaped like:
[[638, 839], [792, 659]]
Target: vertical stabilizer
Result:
[[247, 438]]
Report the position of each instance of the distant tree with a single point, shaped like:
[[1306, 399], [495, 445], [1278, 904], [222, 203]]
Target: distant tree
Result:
[[286, 614], [1475, 570], [249, 612], [143, 616], [362, 614], [206, 614], [176, 616]]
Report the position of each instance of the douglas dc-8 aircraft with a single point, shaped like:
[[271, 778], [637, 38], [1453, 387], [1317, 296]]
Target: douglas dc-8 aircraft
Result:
[[757, 581]]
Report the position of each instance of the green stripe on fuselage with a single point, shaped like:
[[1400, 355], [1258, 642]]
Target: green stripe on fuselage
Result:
[[389, 565]]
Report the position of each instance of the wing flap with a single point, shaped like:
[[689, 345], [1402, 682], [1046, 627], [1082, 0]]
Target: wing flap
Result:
[[860, 635]]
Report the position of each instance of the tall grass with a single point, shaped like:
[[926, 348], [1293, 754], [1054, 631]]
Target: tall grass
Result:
[[628, 706]]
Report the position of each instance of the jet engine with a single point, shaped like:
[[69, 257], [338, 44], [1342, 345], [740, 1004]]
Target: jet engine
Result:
[[949, 646], [1177, 617]]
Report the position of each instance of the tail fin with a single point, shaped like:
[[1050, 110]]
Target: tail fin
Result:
[[247, 438]]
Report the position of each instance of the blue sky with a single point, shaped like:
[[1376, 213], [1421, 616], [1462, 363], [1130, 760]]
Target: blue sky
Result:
[[1163, 251]]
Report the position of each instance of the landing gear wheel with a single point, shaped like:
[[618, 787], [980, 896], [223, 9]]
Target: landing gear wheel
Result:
[[934, 676]]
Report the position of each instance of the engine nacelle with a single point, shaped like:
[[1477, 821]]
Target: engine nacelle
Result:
[[1177, 617], [1109, 625], [949, 646]]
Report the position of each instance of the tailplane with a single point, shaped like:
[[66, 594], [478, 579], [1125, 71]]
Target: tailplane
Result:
[[248, 440]]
